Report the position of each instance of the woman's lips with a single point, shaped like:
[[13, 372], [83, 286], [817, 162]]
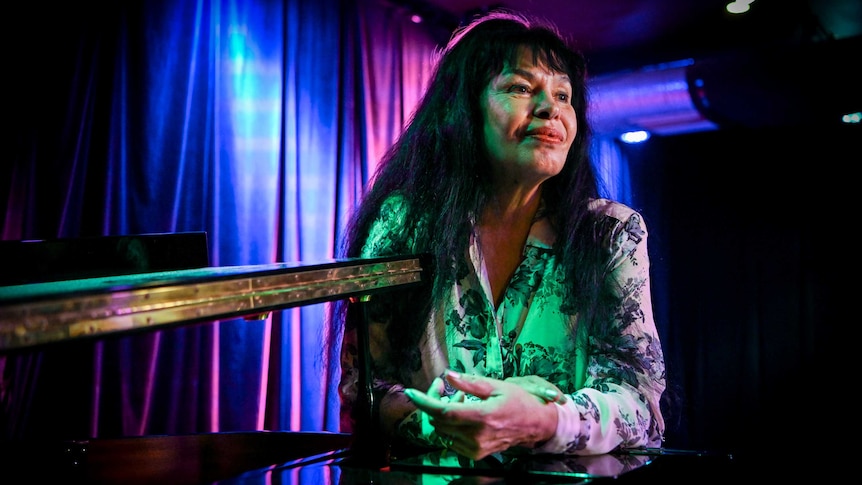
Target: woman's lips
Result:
[[546, 134]]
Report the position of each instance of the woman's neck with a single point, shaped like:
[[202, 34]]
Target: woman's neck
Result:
[[512, 207], [502, 233]]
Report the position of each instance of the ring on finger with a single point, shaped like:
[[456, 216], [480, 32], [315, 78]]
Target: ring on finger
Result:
[[447, 441]]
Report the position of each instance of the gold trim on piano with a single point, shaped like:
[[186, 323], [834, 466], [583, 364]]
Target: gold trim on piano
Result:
[[42, 313]]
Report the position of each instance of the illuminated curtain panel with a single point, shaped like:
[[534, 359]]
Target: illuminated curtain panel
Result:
[[194, 146], [612, 168], [247, 63], [308, 184], [350, 80], [397, 56], [252, 113], [386, 61]]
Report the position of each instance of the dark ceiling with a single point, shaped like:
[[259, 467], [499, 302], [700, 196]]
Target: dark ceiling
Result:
[[784, 62], [625, 34]]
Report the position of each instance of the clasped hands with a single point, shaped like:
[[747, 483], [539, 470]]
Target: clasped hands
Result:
[[518, 411]]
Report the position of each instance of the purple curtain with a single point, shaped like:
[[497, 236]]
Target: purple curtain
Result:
[[258, 122]]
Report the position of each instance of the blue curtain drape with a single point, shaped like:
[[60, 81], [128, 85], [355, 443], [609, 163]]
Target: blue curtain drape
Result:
[[259, 122]]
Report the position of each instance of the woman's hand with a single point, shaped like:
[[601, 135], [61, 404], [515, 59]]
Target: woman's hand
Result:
[[539, 387], [514, 412]]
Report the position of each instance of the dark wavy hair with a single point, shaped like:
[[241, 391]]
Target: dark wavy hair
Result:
[[441, 165]]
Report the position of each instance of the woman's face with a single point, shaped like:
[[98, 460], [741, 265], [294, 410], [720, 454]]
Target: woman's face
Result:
[[530, 122]]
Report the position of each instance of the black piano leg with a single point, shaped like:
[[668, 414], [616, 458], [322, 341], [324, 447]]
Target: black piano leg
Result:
[[369, 447]]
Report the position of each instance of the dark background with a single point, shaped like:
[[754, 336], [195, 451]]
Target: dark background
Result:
[[744, 230]]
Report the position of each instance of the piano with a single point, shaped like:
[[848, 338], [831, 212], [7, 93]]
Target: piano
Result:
[[40, 314]]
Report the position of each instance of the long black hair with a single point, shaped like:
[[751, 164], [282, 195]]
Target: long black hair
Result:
[[441, 166]]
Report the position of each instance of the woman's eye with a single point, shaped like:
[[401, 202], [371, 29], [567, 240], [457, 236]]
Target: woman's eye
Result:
[[563, 97], [519, 88]]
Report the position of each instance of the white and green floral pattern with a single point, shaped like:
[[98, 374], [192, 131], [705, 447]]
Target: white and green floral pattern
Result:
[[611, 405]]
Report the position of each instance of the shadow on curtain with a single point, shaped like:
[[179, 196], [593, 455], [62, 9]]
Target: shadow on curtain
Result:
[[259, 122]]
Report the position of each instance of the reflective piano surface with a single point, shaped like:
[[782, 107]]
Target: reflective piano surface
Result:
[[265, 457]]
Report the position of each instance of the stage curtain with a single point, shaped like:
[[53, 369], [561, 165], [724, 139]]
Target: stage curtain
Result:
[[258, 122]]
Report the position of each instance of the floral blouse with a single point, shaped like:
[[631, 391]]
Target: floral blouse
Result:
[[610, 406]]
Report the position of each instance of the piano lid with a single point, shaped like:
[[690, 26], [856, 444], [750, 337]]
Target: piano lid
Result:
[[41, 313]]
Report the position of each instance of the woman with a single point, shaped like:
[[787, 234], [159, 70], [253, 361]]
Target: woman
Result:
[[536, 331]]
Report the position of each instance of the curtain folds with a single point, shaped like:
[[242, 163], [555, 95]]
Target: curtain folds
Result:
[[259, 122]]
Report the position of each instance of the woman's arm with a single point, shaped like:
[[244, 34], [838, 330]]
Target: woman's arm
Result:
[[619, 403]]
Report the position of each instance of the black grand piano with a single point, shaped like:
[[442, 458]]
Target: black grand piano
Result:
[[39, 314]]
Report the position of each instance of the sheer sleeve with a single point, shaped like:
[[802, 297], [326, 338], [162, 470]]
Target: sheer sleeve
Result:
[[618, 407]]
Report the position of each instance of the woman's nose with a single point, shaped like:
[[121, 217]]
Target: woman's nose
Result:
[[546, 107]]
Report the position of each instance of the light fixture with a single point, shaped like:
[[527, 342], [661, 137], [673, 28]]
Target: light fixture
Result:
[[656, 99], [632, 137], [739, 6]]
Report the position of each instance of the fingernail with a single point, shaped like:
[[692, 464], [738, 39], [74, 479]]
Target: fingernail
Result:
[[551, 393], [451, 373], [408, 393]]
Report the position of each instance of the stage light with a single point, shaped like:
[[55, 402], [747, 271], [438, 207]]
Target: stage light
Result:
[[634, 137], [739, 6]]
